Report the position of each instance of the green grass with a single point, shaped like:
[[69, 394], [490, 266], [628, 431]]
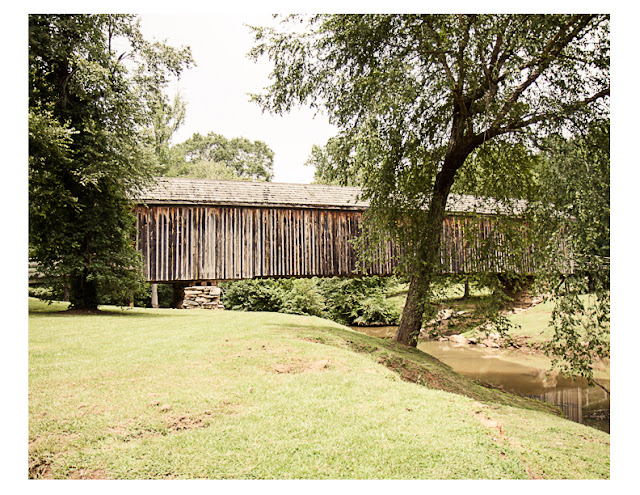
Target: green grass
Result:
[[226, 395], [533, 323]]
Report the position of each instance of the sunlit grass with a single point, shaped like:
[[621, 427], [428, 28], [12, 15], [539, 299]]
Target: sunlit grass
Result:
[[143, 394]]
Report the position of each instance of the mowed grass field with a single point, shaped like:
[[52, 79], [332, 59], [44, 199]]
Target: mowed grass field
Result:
[[190, 394]]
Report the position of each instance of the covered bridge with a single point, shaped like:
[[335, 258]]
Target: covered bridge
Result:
[[195, 230]]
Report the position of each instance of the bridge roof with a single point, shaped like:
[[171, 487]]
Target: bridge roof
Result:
[[179, 190]]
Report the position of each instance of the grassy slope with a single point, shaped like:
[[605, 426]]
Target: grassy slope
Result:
[[202, 394]]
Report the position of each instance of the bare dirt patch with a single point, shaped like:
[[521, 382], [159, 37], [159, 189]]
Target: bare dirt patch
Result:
[[86, 474], [186, 422], [490, 423], [410, 372], [301, 366], [486, 421], [313, 340]]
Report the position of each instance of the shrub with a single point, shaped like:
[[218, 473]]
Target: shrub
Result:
[[377, 310], [360, 301], [350, 301], [305, 298], [253, 295]]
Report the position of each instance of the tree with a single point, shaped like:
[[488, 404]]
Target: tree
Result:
[[89, 110], [415, 96], [327, 168], [167, 118], [574, 179], [215, 157]]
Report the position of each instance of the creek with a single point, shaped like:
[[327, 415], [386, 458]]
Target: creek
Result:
[[521, 373]]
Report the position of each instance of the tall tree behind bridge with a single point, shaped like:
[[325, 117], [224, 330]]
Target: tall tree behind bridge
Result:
[[94, 84], [327, 168], [216, 157], [416, 95], [167, 118]]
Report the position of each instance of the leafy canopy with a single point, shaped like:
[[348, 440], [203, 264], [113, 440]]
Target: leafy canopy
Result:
[[410, 92], [574, 179], [215, 157], [94, 87], [417, 97]]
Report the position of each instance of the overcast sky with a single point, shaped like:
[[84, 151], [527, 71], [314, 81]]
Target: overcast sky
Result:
[[217, 89]]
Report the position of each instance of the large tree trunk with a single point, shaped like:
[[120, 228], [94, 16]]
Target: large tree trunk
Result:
[[428, 257], [428, 252], [83, 293], [411, 321]]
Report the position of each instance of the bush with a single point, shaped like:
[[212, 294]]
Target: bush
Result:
[[304, 298], [350, 301], [359, 301], [377, 310], [253, 295]]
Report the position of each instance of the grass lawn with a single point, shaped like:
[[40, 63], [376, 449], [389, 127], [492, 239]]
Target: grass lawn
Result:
[[534, 322], [146, 394]]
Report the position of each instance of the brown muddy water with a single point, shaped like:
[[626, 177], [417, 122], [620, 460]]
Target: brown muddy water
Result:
[[520, 373]]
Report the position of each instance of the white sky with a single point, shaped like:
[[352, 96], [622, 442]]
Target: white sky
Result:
[[217, 89]]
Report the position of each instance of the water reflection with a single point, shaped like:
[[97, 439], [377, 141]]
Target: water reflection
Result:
[[524, 375]]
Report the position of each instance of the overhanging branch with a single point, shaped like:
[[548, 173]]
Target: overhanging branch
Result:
[[518, 125], [551, 51]]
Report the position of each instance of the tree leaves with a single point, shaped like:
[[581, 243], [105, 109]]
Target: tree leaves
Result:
[[574, 177], [417, 98], [215, 156], [88, 109]]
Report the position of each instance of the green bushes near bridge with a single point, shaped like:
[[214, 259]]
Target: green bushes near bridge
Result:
[[350, 301]]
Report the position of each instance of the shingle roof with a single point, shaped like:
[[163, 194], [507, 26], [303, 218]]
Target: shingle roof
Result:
[[179, 190], [243, 193]]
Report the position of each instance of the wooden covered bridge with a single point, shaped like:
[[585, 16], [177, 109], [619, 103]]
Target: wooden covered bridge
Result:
[[192, 231]]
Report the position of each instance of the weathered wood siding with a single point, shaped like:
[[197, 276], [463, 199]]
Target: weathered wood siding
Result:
[[475, 244], [230, 243], [198, 242]]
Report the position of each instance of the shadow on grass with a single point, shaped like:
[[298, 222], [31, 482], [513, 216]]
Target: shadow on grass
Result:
[[60, 309]]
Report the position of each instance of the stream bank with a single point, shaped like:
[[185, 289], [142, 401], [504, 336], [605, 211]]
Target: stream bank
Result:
[[521, 370]]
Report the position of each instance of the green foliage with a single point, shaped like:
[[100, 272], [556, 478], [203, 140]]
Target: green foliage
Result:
[[377, 310], [359, 300], [215, 157], [141, 297], [419, 99], [203, 170], [167, 118], [581, 329], [575, 206], [253, 295], [502, 169], [350, 301], [304, 298], [328, 166], [574, 179], [89, 113]]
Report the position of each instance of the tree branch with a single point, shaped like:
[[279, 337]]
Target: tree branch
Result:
[[554, 47], [534, 119]]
